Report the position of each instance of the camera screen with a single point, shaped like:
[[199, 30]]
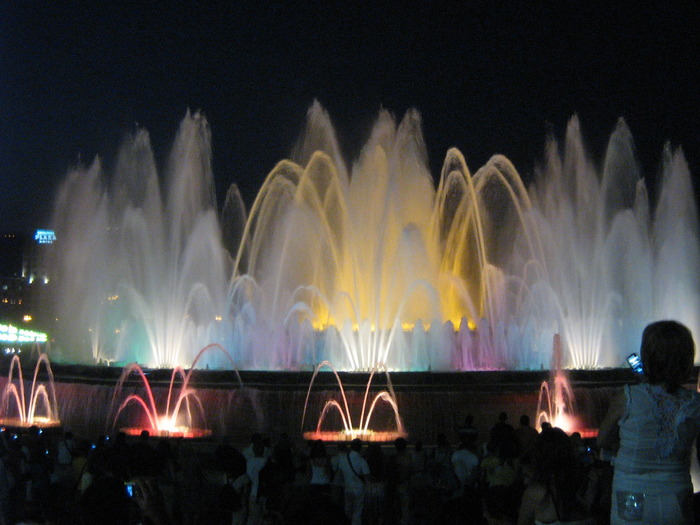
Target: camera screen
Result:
[[636, 363]]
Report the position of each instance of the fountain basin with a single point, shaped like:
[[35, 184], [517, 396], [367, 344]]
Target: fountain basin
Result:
[[365, 435], [273, 402], [40, 422], [184, 432]]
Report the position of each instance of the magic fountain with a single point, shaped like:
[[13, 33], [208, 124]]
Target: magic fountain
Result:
[[370, 262]]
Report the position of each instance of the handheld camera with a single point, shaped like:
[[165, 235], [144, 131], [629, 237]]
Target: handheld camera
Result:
[[635, 363], [132, 489]]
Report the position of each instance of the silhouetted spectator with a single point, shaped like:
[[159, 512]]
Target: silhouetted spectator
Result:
[[120, 457], [235, 493], [39, 465], [375, 485], [16, 463], [441, 468], [164, 462], [320, 467], [283, 455], [500, 429], [553, 495], [400, 470], [337, 484], [98, 458], [526, 435], [355, 470], [106, 502], [191, 488], [143, 456], [63, 472], [6, 483], [256, 437], [254, 467], [230, 460], [500, 472], [467, 426], [419, 457], [277, 476], [465, 462]]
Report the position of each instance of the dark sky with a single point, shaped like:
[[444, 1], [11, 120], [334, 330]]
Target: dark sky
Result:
[[487, 77]]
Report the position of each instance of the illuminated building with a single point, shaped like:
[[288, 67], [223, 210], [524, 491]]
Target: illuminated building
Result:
[[23, 279]]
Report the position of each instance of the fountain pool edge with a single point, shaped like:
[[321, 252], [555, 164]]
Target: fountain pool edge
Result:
[[273, 402]]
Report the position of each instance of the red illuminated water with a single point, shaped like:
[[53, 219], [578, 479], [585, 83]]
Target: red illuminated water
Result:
[[177, 419], [557, 404], [349, 430], [15, 410]]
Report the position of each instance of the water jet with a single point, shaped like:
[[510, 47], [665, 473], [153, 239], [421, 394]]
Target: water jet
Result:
[[177, 419], [42, 395], [348, 430], [368, 261]]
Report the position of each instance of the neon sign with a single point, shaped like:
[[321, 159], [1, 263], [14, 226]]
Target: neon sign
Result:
[[12, 334], [45, 236]]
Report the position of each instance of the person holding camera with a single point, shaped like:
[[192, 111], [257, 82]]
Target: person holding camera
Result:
[[658, 421]]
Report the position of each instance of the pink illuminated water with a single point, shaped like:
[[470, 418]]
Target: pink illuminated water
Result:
[[41, 409], [366, 259], [182, 412], [349, 430], [556, 403]]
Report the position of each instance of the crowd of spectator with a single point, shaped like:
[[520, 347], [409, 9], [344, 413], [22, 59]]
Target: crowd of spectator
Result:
[[508, 476], [505, 476]]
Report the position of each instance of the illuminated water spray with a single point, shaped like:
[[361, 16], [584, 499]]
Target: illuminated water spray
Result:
[[182, 412], [368, 260], [556, 404], [41, 409], [351, 428]]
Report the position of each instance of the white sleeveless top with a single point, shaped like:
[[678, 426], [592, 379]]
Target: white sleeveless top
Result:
[[658, 430]]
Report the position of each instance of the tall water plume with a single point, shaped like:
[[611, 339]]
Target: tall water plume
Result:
[[140, 270], [370, 262]]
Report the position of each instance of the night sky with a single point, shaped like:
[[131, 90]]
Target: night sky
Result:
[[487, 77]]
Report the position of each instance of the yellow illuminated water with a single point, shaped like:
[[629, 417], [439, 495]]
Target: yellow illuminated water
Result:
[[370, 259]]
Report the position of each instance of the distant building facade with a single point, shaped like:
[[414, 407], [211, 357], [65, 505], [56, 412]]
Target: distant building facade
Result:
[[24, 276]]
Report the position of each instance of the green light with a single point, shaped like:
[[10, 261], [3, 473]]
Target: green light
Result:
[[12, 334]]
